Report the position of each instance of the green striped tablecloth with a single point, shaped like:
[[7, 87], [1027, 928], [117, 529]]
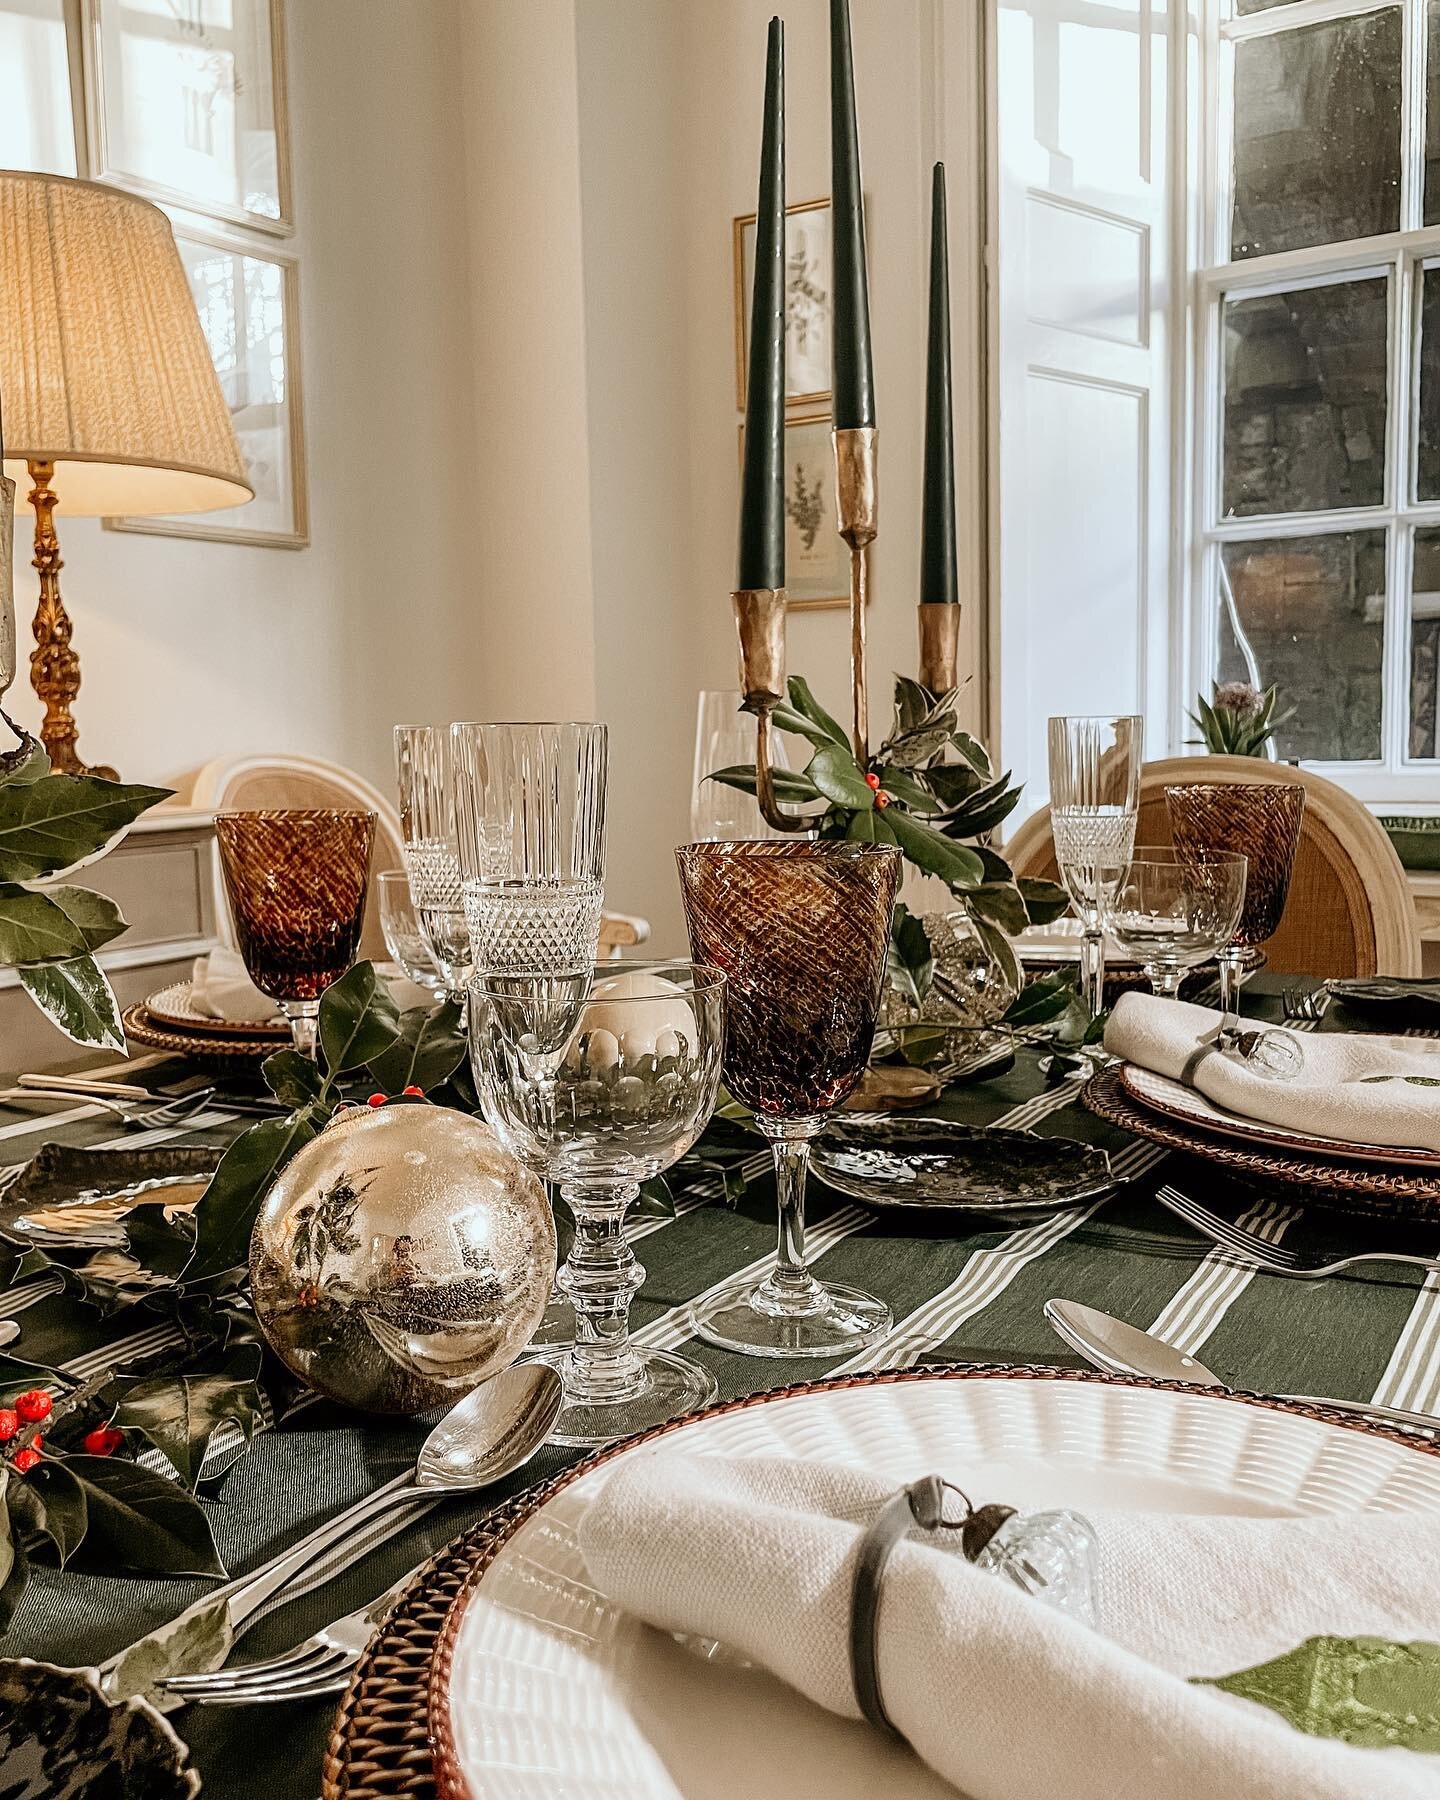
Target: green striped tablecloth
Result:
[[967, 1291]]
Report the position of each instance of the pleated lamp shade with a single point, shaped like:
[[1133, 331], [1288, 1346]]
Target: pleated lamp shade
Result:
[[103, 366]]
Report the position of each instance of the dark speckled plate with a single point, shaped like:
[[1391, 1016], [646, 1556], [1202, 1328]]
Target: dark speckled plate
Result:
[[61, 1739], [67, 1194], [934, 1165]]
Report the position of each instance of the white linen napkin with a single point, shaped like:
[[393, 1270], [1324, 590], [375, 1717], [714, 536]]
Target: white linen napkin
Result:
[[1000, 1694], [1354, 1086], [221, 989]]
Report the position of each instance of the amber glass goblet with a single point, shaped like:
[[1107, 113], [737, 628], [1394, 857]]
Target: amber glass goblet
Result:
[[297, 884], [1261, 822], [800, 931]]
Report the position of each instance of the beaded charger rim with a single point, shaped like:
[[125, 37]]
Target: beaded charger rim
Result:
[[142, 1028], [1378, 1190], [391, 1733]]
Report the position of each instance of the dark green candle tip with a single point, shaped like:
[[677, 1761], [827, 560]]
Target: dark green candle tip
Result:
[[939, 577], [853, 377], [761, 559]]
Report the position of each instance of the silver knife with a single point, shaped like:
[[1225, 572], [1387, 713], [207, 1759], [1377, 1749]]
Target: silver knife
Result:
[[1120, 1349]]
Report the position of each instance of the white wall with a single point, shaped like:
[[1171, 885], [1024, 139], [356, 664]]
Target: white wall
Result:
[[518, 334]]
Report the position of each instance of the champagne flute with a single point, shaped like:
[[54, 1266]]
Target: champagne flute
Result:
[[1094, 802], [427, 822]]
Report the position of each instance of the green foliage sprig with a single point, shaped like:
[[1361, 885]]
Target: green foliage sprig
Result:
[[931, 789], [49, 931]]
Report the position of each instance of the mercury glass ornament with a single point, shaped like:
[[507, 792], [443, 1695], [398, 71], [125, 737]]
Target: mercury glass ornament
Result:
[[401, 1258], [969, 990]]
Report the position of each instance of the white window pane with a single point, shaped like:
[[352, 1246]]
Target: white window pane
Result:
[[1317, 135], [1309, 615], [1305, 399], [1425, 646], [36, 130]]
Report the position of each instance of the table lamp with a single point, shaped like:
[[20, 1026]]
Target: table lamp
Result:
[[104, 369]]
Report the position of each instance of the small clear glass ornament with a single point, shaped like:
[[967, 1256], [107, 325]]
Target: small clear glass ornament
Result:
[[1053, 1556]]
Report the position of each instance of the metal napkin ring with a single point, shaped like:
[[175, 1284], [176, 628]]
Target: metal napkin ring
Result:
[[922, 1504]]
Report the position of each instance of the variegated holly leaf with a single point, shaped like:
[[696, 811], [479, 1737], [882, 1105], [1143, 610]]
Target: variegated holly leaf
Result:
[[76, 996]]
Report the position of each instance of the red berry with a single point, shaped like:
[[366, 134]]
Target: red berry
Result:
[[376, 1100], [9, 1423], [26, 1459], [882, 801], [33, 1405], [872, 780], [104, 1440], [412, 1089]]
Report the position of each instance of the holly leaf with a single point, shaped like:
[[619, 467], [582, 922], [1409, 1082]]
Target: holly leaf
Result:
[[179, 1414], [974, 753], [14, 1563], [655, 1201], [909, 960], [1001, 950], [293, 1079], [810, 709], [1000, 902], [358, 1019], [911, 789], [140, 1521], [787, 784], [75, 996], [1045, 901], [196, 1642], [225, 1212], [956, 865], [430, 1047], [836, 774], [61, 1512], [917, 747], [1365, 1691], [983, 810], [869, 827], [1043, 1000], [95, 916], [58, 821], [33, 929]]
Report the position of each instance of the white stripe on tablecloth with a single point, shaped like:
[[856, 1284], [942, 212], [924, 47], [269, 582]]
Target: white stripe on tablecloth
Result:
[[139, 1343], [1195, 1310], [985, 1276], [1412, 1376]]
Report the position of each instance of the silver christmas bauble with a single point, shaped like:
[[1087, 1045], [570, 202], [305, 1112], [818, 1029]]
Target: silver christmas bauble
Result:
[[401, 1258]]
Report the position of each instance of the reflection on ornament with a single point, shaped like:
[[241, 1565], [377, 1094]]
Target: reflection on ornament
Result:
[[401, 1258]]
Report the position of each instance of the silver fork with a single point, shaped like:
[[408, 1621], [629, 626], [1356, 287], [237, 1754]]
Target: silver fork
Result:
[[1276, 1259], [1304, 1005], [320, 1665]]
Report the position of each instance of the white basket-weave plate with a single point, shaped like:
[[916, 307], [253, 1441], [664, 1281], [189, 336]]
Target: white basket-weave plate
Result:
[[175, 1005], [1176, 1101], [557, 1694]]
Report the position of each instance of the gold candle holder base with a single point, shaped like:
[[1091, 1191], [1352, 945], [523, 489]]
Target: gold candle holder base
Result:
[[760, 626], [939, 646]]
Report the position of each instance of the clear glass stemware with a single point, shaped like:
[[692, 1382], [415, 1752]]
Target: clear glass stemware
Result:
[[1094, 802], [404, 939], [427, 821], [629, 1093], [1173, 910]]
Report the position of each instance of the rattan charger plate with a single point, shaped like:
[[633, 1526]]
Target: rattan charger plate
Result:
[[381, 1744], [141, 1027], [1329, 1181]]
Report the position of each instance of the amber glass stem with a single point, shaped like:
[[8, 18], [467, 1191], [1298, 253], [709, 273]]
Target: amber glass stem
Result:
[[304, 1017], [601, 1277], [790, 1288]]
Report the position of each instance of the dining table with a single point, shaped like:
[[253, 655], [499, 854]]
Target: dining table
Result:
[[962, 1288]]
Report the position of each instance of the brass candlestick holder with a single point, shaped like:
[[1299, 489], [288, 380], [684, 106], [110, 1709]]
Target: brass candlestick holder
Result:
[[54, 663], [939, 646]]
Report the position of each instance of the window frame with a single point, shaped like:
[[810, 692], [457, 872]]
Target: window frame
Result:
[[1402, 257]]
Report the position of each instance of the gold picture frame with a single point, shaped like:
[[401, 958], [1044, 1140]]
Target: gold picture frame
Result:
[[807, 302], [817, 559], [106, 103], [270, 427]]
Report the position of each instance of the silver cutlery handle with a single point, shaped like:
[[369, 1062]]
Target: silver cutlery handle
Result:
[[82, 1084], [1368, 1409]]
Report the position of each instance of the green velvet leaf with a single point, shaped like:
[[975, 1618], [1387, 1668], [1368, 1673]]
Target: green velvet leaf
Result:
[[225, 1212], [33, 929], [293, 1079], [430, 1047], [138, 1520], [809, 708], [179, 1414], [956, 865], [1364, 1691], [836, 774], [76, 996], [359, 1020], [61, 820]]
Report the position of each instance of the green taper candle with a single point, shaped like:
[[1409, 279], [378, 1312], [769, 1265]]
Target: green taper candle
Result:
[[939, 581], [761, 561], [853, 379]]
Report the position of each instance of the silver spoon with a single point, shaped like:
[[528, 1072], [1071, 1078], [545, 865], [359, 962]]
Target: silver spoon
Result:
[[489, 1434], [9, 1331]]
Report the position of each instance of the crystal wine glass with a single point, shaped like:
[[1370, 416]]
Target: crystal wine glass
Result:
[[401, 927], [724, 739], [1259, 820], [630, 1093], [427, 822], [1173, 909], [801, 931], [1094, 801], [296, 883]]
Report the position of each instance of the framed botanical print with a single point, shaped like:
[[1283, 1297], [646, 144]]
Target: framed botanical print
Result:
[[249, 309], [186, 105], [817, 559], [807, 301]]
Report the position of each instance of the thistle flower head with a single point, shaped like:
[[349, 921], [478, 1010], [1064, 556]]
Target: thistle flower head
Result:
[[1239, 698]]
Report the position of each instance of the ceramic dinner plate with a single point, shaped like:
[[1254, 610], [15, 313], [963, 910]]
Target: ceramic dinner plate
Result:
[[555, 1693], [1176, 1101], [175, 1006]]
